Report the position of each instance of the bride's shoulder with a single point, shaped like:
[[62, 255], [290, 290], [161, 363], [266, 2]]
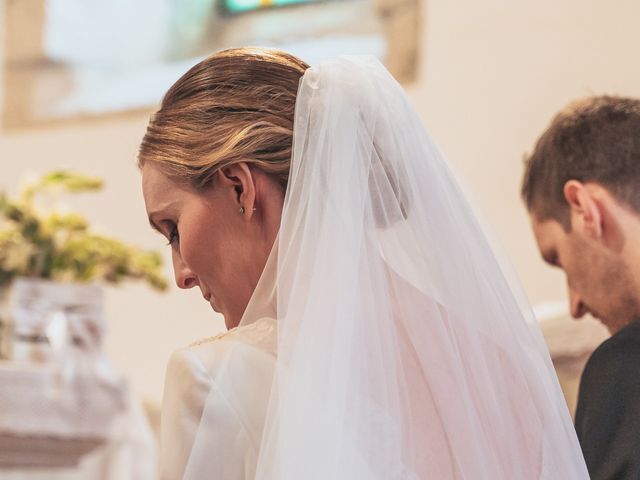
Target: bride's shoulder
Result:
[[237, 348], [246, 352], [226, 379], [260, 334]]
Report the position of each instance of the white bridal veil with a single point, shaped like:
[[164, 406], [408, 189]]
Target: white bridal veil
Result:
[[402, 352]]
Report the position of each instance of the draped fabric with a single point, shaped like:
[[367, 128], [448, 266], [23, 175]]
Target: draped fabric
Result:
[[402, 350]]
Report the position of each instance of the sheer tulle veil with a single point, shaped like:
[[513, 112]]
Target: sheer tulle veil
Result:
[[402, 350]]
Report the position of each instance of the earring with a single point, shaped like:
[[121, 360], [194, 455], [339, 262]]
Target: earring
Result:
[[241, 210]]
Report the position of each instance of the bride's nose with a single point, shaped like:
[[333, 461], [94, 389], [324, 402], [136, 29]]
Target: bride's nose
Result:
[[185, 278]]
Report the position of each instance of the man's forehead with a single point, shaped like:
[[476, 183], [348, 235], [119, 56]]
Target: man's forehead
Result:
[[545, 231]]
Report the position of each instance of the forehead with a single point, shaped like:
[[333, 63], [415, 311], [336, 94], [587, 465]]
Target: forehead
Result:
[[153, 178], [156, 184], [546, 232], [158, 189]]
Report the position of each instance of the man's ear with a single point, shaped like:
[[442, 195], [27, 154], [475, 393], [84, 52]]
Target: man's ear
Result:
[[240, 177], [584, 208]]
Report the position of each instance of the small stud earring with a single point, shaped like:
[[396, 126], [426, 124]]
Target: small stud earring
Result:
[[241, 210]]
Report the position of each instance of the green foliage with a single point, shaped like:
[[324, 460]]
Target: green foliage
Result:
[[61, 246]]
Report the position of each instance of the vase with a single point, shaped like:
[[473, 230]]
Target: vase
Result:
[[5, 324], [60, 395], [46, 319]]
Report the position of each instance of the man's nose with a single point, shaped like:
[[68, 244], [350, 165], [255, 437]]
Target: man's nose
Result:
[[578, 308]]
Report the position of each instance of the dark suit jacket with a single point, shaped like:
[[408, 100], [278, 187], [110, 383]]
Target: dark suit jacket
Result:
[[608, 411]]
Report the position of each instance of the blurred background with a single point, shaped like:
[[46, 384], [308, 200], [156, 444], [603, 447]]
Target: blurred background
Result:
[[79, 79]]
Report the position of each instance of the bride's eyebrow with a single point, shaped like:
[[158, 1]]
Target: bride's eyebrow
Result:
[[154, 225], [161, 210]]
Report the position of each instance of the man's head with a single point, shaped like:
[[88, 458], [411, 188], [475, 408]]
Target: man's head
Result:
[[582, 190]]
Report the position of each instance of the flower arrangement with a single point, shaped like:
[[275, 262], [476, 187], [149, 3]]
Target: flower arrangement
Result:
[[61, 246]]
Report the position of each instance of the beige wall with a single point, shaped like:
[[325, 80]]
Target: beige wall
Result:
[[493, 74]]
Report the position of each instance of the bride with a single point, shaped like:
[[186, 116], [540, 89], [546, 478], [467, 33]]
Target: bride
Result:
[[372, 333]]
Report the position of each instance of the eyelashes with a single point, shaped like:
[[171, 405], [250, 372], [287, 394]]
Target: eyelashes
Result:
[[174, 236]]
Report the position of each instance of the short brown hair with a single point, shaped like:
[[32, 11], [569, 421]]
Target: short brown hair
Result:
[[235, 106], [592, 140]]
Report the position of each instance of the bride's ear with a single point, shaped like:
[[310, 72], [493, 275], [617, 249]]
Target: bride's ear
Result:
[[241, 182]]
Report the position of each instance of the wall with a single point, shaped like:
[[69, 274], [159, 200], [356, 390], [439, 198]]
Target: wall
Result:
[[493, 74]]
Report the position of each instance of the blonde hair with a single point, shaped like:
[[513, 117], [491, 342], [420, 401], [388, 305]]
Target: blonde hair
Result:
[[235, 106]]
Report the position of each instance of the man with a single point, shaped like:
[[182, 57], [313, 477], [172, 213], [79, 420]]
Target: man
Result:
[[582, 190]]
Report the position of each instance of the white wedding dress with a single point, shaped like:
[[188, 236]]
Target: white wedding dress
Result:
[[232, 373], [399, 346]]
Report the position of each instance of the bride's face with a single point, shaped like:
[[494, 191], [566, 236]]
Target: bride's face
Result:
[[216, 245]]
